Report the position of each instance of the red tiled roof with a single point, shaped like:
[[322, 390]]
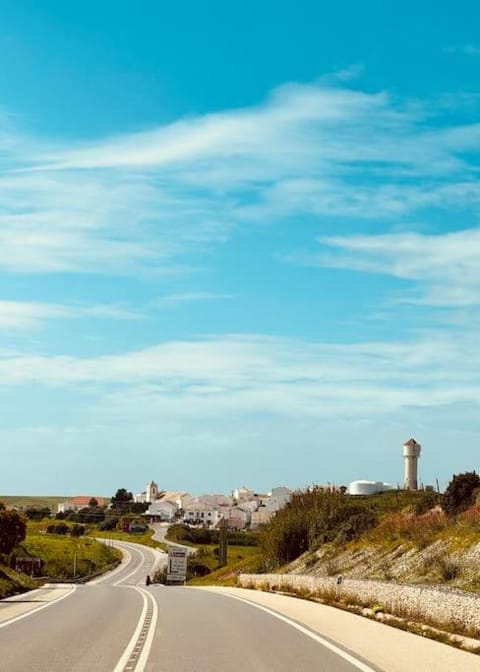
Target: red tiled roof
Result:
[[410, 442], [82, 500]]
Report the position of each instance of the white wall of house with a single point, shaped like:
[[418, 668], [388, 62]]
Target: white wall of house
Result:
[[260, 517], [202, 515], [238, 517], [164, 510]]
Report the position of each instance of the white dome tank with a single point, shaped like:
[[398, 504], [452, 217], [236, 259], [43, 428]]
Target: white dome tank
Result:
[[365, 487]]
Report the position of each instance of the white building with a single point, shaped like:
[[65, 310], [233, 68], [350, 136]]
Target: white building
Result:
[[260, 517], [163, 510], [79, 502], [201, 513], [242, 494], [237, 517], [279, 498], [149, 495]]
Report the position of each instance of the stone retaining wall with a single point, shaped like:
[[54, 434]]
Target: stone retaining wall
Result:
[[443, 606]]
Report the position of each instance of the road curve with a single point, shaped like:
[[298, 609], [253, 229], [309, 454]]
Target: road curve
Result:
[[116, 624]]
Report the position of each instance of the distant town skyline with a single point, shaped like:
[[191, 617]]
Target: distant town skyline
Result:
[[239, 243]]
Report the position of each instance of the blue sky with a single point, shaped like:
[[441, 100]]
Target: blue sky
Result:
[[239, 243]]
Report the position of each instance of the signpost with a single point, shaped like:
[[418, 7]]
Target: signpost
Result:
[[177, 564]]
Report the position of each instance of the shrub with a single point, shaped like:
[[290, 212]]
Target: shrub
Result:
[[77, 530], [460, 493], [196, 568], [426, 502], [311, 518], [109, 524], [57, 528], [360, 521], [37, 513]]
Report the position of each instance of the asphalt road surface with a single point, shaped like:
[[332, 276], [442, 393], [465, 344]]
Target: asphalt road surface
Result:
[[116, 624]]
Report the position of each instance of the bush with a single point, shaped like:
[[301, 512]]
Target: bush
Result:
[[359, 521], [90, 514], [37, 513], [428, 501], [57, 528], [460, 493], [77, 531], [109, 524], [311, 518], [196, 568]]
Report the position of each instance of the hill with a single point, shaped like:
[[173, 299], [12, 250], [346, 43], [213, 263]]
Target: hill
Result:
[[22, 501]]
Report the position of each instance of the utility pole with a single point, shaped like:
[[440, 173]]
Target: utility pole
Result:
[[223, 543]]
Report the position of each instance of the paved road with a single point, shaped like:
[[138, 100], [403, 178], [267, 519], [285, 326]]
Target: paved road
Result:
[[159, 534], [115, 624]]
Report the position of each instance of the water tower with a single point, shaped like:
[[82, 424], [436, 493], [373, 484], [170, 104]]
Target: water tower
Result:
[[411, 453]]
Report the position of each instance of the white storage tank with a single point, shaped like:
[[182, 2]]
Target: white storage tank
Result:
[[365, 487]]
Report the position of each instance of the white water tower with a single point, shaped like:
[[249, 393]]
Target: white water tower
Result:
[[411, 453]]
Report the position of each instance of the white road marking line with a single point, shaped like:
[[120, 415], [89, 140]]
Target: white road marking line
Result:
[[363, 667], [43, 606], [125, 657], [125, 561], [138, 646], [142, 661]]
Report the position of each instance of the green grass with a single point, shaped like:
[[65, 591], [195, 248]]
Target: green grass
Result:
[[239, 559], [12, 582], [65, 559], [389, 501], [63, 555], [145, 539]]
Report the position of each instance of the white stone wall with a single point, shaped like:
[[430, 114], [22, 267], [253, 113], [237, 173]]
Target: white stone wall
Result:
[[445, 605]]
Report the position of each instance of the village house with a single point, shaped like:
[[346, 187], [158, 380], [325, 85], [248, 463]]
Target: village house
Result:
[[80, 502]]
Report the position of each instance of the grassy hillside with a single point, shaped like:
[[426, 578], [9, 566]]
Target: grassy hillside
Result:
[[66, 558], [239, 559], [12, 582], [430, 548], [33, 500]]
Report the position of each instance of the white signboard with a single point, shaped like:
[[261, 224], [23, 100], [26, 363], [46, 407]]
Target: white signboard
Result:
[[177, 564]]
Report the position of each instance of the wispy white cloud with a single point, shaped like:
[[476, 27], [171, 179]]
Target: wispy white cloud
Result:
[[21, 315], [250, 374], [444, 268], [150, 201]]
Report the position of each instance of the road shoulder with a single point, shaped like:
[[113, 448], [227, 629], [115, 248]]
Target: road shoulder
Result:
[[385, 647]]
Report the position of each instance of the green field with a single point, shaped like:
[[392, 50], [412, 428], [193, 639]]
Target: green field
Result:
[[145, 538], [239, 559], [33, 500]]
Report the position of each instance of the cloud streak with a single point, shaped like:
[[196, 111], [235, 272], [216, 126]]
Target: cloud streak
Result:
[[24, 315], [153, 201], [444, 269], [254, 374]]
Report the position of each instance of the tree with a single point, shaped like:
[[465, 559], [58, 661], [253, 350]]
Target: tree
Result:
[[122, 500], [93, 503], [13, 529], [37, 512], [460, 493]]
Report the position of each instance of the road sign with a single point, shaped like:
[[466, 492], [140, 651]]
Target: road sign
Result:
[[177, 564]]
